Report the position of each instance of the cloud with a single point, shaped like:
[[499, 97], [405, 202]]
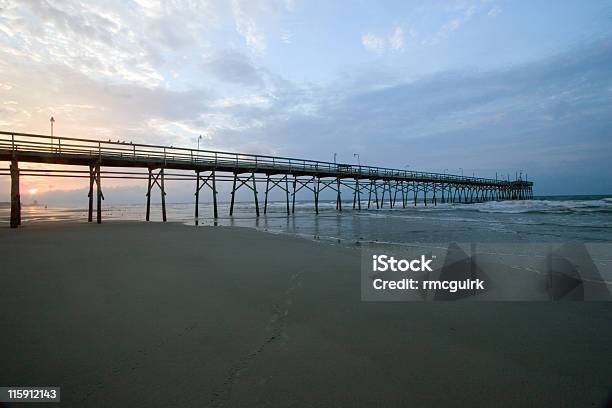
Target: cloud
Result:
[[458, 14], [255, 21], [373, 43], [396, 40], [248, 28], [234, 68], [378, 44], [495, 11], [128, 43], [286, 37]]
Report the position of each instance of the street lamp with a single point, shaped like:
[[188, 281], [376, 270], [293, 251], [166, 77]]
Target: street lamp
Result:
[[51, 121], [199, 138], [335, 154], [461, 168], [358, 159]]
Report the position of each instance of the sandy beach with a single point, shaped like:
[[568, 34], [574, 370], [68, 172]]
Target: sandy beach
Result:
[[141, 315]]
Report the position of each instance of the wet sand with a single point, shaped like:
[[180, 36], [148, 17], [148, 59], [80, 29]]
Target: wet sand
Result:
[[136, 314]]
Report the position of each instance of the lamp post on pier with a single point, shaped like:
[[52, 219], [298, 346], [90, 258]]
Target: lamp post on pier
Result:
[[51, 121]]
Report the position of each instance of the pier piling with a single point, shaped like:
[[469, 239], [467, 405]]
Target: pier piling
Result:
[[15, 195]]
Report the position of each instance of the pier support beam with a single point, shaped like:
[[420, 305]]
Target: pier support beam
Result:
[[375, 185], [210, 182], [278, 183], [435, 200], [95, 178], [156, 179], [15, 195], [338, 197], [317, 189], [293, 195], [397, 183], [357, 195], [239, 182], [305, 184]]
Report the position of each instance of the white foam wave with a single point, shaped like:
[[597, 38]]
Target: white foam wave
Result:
[[541, 206]]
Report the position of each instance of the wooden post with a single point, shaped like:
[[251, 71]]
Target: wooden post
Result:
[[287, 191], [339, 198], [149, 194], [15, 196], [197, 196], [233, 193], [435, 201], [316, 194], [358, 196], [90, 195], [255, 194], [266, 195], [376, 193], [99, 195], [294, 185], [214, 195], [163, 195]]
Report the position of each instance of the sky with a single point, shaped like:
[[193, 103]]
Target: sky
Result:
[[481, 85]]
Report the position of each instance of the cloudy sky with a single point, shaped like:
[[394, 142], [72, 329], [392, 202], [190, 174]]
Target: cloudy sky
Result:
[[482, 85]]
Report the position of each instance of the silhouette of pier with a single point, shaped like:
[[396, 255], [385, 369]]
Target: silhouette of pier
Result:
[[382, 186]]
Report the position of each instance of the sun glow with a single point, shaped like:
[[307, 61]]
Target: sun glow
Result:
[[33, 191]]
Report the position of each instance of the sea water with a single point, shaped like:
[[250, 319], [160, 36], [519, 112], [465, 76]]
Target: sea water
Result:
[[544, 219]]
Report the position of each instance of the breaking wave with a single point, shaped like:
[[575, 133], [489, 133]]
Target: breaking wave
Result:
[[603, 205]]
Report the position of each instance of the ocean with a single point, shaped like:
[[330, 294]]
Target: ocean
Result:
[[544, 219]]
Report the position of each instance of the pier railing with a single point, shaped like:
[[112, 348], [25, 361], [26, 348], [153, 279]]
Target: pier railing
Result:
[[170, 156]]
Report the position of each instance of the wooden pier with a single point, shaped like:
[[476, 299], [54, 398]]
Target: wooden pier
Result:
[[382, 186]]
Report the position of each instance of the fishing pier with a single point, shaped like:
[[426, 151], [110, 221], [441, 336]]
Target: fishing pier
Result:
[[383, 187]]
